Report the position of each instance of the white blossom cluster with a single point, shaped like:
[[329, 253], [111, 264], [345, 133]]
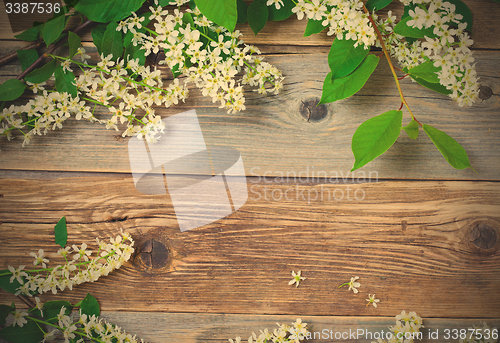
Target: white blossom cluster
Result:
[[448, 48], [284, 333], [79, 268], [129, 99], [344, 19], [109, 84], [210, 56], [89, 328], [407, 325]]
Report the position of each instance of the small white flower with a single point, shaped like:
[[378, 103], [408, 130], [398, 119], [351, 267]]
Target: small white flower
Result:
[[296, 278], [353, 284], [372, 300], [19, 318]]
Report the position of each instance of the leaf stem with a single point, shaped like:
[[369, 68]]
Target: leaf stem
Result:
[[388, 57]]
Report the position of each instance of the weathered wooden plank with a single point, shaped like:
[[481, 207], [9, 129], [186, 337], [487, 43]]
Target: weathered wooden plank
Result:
[[198, 328], [290, 32], [432, 246], [273, 133]]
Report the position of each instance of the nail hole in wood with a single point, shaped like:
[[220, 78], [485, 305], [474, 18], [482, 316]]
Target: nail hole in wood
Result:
[[485, 92], [154, 254], [311, 112], [483, 236]]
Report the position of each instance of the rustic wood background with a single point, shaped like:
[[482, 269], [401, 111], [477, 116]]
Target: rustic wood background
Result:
[[423, 238]]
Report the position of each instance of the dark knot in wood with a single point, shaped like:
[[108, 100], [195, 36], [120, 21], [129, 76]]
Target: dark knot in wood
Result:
[[483, 236], [485, 92], [310, 110], [154, 254]]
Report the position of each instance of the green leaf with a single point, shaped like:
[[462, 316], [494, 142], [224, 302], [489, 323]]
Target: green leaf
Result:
[[437, 87], [377, 4], [53, 29], [27, 57], [90, 306], [242, 9], [375, 136], [462, 9], [403, 29], [425, 71], [344, 87], [412, 129], [43, 73], [283, 13], [133, 52], [5, 282], [187, 18], [313, 27], [221, 12], [97, 34], [61, 232], [65, 81], [105, 11], [452, 151], [344, 58], [74, 43], [11, 90], [112, 42], [257, 14], [4, 312], [29, 35], [28, 333], [52, 308]]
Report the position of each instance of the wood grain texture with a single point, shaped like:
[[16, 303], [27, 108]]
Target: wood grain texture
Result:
[[291, 31], [273, 136], [429, 246]]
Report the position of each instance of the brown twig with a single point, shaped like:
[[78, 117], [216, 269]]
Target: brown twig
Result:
[[52, 49]]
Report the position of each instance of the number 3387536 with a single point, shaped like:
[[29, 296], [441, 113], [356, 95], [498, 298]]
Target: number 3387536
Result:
[[32, 7]]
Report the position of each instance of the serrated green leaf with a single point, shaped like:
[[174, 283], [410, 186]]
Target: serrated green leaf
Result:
[[452, 151], [344, 87], [29, 35], [27, 57], [425, 71], [375, 136], [257, 14], [11, 90], [105, 11], [28, 333], [461, 8], [65, 81], [412, 129], [344, 58], [97, 34], [43, 73], [5, 282], [112, 42], [133, 52], [90, 306], [52, 308], [242, 9], [437, 87], [283, 13], [376, 5], [74, 43], [403, 29], [53, 29], [221, 12], [61, 232], [4, 312], [313, 27]]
